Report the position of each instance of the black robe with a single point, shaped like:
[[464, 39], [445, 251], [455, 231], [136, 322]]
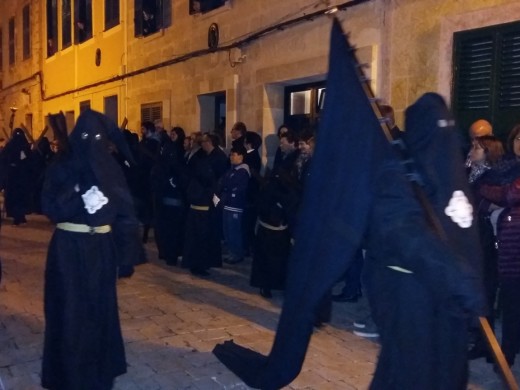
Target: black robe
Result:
[[272, 247], [83, 347]]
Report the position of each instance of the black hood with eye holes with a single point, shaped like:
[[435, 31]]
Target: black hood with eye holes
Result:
[[89, 143]]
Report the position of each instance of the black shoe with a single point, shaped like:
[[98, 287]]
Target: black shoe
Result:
[[266, 293], [199, 272], [346, 298], [230, 260]]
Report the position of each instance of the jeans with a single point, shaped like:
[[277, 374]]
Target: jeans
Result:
[[233, 234]]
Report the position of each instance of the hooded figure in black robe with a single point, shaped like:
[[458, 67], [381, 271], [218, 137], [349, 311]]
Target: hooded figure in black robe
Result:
[[339, 204], [420, 272], [86, 195], [16, 158]]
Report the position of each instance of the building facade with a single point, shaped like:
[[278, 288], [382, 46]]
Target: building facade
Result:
[[205, 64]]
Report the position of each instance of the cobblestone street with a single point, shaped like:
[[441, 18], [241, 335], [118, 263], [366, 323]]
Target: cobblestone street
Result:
[[171, 321]]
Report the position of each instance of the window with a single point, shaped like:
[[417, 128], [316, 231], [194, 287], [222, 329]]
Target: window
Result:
[[151, 112], [111, 110], [1, 50], [52, 27], [303, 104], [82, 20], [151, 16], [11, 42], [26, 24], [84, 105], [487, 77], [203, 6], [66, 24], [111, 13]]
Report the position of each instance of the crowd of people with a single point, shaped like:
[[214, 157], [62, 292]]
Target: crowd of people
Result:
[[208, 206], [494, 174]]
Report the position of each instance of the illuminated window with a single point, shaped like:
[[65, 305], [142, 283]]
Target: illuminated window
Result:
[[11, 42], [52, 27], [26, 24], [303, 104], [152, 16], [111, 13], [203, 6], [66, 24], [82, 20]]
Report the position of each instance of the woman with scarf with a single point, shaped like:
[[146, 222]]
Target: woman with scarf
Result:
[[484, 158], [504, 190]]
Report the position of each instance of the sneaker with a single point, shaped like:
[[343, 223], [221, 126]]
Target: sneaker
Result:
[[361, 323], [366, 332], [367, 328]]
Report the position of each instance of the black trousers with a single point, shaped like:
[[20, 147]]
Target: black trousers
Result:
[[510, 298]]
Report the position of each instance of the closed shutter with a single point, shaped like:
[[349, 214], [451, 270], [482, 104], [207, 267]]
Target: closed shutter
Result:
[[487, 77], [151, 112]]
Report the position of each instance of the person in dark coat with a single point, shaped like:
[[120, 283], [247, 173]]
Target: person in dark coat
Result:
[[421, 299], [252, 143], [504, 190], [202, 248], [97, 235], [42, 156], [484, 158], [149, 149], [167, 187], [238, 133], [273, 239], [231, 198], [16, 158]]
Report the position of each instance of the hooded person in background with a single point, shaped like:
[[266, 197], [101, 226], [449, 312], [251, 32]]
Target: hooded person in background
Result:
[[423, 277], [16, 158], [96, 236]]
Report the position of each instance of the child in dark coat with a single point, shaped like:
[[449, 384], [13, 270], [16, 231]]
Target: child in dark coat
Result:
[[232, 198]]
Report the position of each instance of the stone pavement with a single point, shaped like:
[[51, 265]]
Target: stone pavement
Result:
[[171, 321]]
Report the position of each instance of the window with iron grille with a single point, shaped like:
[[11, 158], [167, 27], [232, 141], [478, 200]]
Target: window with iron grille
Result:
[[111, 13], [66, 24], [82, 20], [151, 112], [152, 16], [11, 42], [487, 77], [52, 27], [203, 6], [26, 25]]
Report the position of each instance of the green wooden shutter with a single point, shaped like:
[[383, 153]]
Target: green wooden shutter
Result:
[[487, 77]]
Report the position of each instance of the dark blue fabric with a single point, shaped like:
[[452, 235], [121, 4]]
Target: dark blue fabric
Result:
[[333, 218]]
